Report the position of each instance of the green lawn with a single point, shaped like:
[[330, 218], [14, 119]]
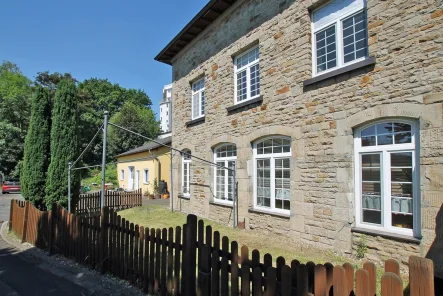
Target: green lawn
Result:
[[162, 217]]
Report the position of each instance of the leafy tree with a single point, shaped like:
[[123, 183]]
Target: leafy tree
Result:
[[51, 80], [15, 98], [95, 97], [64, 145], [136, 118], [36, 152]]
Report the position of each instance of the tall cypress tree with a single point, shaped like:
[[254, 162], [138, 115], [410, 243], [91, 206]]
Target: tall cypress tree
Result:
[[64, 145], [36, 151]]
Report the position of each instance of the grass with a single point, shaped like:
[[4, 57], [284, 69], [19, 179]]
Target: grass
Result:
[[162, 217]]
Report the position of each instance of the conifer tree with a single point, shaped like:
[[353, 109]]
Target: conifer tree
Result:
[[36, 150], [64, 145]]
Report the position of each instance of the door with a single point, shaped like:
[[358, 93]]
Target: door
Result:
[[137, 180], [131, 178]]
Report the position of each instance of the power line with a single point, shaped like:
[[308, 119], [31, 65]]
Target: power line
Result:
[[84, 150], [172, 148]]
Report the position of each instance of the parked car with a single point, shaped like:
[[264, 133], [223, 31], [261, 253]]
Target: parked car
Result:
[[11, 186]]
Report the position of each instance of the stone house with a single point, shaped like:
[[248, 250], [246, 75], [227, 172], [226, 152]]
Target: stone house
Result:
[[330, 112]]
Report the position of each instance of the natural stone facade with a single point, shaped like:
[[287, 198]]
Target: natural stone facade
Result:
[[406, 39]]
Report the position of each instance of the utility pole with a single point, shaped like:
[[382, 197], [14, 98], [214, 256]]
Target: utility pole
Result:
[[105, 134], [69, 186]]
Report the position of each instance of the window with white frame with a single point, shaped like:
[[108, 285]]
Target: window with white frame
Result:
[[272, 169], [225, 157], [145, 176], [339, 35], [198, 98], [387, 178], [122, 174], [186, 172], [247, 75]]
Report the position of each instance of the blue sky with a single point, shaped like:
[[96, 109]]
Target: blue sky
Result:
[[112, 39]]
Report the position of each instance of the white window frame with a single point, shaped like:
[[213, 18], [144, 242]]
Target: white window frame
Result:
[[248, 75], [122, 175], [200, 94], [225, 160], [186, 162], [338, 23], [146, 176], [272, 158], [385, 151]]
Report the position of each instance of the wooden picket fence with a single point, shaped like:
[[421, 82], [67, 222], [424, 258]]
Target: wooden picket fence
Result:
[[195, 260], [118, 200]]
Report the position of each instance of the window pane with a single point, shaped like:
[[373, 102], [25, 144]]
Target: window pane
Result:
[[255, 80], [402, 159], [401, 174], [402, 138], [282, 182], [326, 49], [231, 165], [368, 131], [371, 202], [264, 182], [202, 103], [241, 86], [384, 128], [195, 103], [402, 220], [354, 37], [384, 140], [220, 179], [368, 141], [370, 174], [401, 189], [371, 188], [372, 216], [401, 127], [370, 160]]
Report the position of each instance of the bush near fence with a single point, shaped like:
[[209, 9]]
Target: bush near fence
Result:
[[90, 202], [194, 260]]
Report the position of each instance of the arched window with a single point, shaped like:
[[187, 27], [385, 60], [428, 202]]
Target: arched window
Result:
[[225, 157], [272, 170], [387, 180], [186, 172]]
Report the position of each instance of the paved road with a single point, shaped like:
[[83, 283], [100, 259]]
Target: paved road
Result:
[[25, 277], [5, 202]]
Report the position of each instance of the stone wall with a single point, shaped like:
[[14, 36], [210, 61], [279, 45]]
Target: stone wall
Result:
[[405, 37]]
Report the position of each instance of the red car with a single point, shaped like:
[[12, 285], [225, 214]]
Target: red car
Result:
[[11, 186]]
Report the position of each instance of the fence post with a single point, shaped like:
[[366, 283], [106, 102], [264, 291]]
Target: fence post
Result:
[[25, 221], [51, 229], [191, 255], [104, 238], [421, 276], [204, 275], [11, 212]]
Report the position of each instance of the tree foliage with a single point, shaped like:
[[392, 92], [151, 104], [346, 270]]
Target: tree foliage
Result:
[[95, 97], [64, 145], [136, 118], [36, 152], [15, 97]]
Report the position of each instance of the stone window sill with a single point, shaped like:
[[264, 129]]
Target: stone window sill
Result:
[[244, 104], [275, 214], [181, 196], [226, 205], [195, 121], [397, 237], [367, 62]]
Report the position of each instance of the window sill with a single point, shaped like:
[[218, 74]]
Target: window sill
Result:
[[245, 104], [195, 121], [275, 214], [397, 237], [226, 205], [181, 196], [367, 62]]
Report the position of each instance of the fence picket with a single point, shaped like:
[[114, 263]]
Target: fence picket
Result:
[[157, 259], [392, 285], [421, 276], [171, 260], [372, 271], [215, 272], [320, 280], [362, 282], [146, 273], [152, 262], [349, 271], [177, 261], [391, 265], [234, 268], [271, 282], [163, 279], [224, 274], [256, 282], [286, 286], [245, 285], [302, 280], [339, 281]]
